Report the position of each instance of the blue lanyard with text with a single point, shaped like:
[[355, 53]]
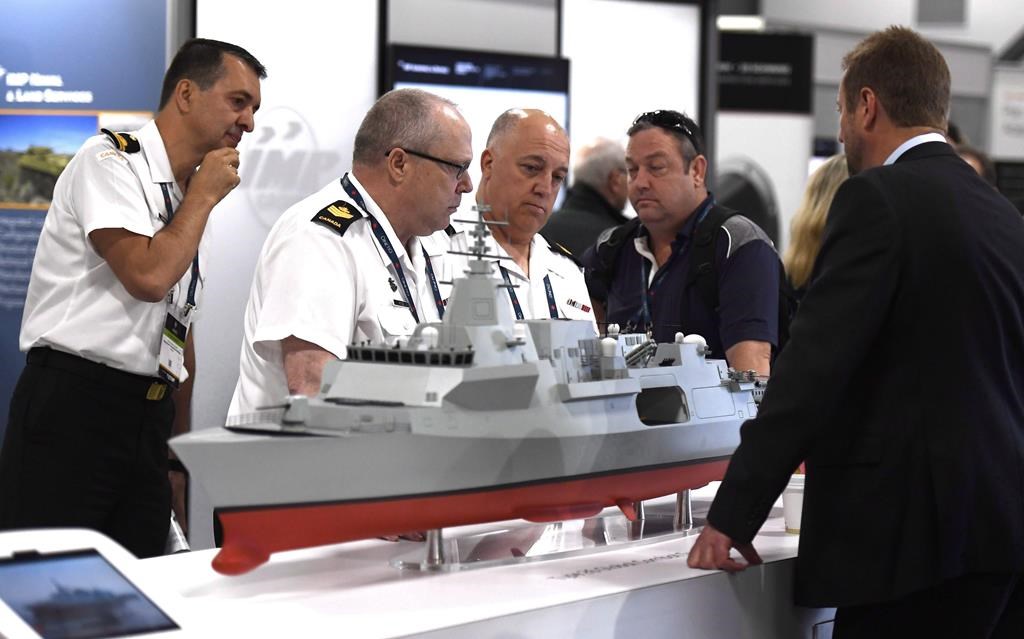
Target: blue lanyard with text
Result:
[[191, 299], [389, 250], [552, 306], [648, 286]]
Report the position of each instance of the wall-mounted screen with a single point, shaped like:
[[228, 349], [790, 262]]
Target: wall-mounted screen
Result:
[[483, 84]]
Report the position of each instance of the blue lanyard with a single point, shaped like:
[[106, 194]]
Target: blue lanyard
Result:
[[389, 250], [644, 314], [552, 306], [191, 299]]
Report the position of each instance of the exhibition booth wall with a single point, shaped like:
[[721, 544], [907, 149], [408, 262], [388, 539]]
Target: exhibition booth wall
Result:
[[316, 95]]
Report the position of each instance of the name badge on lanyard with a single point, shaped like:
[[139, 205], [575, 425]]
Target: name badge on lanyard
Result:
[[179, 317]]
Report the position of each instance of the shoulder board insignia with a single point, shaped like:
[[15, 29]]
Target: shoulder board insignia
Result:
[[123, 141], [561, 250], [337, 216]]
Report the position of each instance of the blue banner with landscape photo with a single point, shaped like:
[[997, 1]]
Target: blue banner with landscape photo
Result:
[[67, 68]]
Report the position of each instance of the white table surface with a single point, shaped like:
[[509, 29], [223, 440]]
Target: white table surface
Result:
[[351, 590]]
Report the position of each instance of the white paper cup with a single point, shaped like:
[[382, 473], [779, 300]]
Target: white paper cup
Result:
[[793, 503]]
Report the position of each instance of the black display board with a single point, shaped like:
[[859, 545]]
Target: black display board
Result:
[[765, 72]]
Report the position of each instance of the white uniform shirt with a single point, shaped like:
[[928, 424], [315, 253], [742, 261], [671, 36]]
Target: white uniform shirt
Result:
[[567, 284], [329, 289], [75, 303]]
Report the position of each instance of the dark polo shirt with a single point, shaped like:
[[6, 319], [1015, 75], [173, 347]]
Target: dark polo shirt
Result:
[[748, 286]]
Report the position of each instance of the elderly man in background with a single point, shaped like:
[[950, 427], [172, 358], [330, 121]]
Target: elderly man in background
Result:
[[356, 261], [595, 200], [523, 168]]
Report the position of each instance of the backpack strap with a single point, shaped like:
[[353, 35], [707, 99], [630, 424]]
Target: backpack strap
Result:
[[703, 273], [609, 246]]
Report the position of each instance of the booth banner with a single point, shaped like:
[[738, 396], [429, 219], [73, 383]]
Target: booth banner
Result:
[[65, 72], [765, 72]]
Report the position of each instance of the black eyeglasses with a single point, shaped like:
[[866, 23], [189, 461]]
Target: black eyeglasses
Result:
[[460, 169], [673, 121]]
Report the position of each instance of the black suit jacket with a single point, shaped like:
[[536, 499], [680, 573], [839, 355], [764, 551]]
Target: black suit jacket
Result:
[[902, 386]]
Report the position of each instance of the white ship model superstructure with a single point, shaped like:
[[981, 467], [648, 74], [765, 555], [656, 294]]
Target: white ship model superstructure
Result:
[[473, 419]]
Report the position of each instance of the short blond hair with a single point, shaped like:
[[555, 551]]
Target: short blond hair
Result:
[[808, 224]]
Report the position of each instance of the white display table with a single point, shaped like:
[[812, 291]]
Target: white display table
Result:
[[350, 590]]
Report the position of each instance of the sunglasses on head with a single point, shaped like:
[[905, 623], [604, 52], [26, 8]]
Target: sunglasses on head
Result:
[[672, 121]]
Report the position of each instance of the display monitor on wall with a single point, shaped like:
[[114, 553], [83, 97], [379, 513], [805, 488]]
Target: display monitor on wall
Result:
[[483, 84]]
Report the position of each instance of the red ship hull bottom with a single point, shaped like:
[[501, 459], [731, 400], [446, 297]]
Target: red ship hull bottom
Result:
[[251, 535]]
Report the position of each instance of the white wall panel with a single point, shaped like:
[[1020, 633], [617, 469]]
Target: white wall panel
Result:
[[509, 26], [780, 144], [321, 60], [626, 57], [1007, 139]]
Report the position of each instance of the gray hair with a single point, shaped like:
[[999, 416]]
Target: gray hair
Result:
[[400, 118], [597, 160]]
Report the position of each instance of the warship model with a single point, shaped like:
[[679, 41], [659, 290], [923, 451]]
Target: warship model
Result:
[[474, 419]]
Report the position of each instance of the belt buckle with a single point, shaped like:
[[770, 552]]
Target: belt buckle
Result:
[[156, 391]]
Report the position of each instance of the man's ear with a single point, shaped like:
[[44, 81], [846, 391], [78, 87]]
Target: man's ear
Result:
[[486, 164], [397, 164], [613, 181], [184, 94], [699, 170], [868, 107]]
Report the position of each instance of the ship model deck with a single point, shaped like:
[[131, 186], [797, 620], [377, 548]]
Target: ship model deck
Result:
[[473, 419]]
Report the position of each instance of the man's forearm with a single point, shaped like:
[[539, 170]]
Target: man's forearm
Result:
[[303, 365], [750, 355]]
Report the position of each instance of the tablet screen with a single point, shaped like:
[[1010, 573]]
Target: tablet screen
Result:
[[77, 595]]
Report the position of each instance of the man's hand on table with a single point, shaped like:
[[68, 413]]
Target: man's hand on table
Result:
[[711, 552]]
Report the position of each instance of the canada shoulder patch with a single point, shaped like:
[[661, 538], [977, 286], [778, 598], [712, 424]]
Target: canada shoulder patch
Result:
[[337, 216], [125, 142]]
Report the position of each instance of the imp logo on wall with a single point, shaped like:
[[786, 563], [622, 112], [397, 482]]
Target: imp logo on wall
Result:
[[281, 163]]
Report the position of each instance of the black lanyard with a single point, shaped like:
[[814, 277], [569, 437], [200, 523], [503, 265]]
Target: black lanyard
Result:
[[552, 306], [647, 285], [191, 299], [389, 250]]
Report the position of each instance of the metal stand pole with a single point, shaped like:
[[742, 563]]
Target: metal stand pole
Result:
[[636, 527], [684, 511], [435, 549]]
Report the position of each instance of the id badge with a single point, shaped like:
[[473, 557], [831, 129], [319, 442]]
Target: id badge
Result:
[[172, 346]]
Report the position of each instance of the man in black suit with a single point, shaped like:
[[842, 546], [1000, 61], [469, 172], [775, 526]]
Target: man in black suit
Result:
[[902, 385]]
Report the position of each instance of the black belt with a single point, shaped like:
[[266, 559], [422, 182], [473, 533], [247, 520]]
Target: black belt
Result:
[[140, 386]]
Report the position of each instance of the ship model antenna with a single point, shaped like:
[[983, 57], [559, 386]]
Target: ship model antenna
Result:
[[478, 249]]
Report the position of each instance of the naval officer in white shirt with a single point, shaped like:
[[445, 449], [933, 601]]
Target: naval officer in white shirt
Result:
[[522, 169], [116, 280], [359, 260]]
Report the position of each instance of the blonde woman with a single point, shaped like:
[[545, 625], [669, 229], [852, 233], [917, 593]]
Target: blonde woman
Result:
[[808, 224]]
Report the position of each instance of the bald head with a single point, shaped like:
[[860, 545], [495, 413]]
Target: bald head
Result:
[[511, 120], [523, 168]]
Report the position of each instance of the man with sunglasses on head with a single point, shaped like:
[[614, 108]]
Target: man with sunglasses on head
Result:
[[360, 259], [642, 272], [523, 168]]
